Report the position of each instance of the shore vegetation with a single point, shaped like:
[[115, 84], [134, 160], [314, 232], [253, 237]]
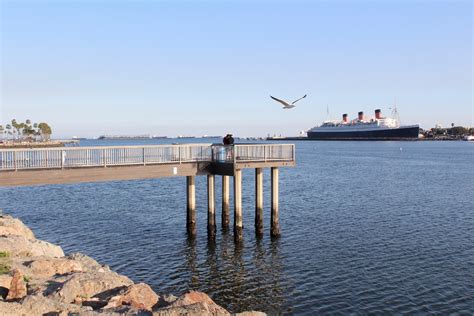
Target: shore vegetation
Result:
[[26, 131]]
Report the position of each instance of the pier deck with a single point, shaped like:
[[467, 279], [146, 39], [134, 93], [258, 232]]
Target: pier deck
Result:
[[41, 166]]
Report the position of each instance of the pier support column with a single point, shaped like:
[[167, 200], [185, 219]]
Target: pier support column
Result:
[[191, 205], [275, 223], [225, 202], [238, 223], [259, 202], [211, 207]]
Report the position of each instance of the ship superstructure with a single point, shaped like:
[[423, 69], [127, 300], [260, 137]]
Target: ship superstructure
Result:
[[360, 128]]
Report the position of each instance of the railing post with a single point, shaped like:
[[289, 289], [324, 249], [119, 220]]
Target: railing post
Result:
[[104, 155], [143, 153], [265, 153], [14, 161], [234, 153], [62, 159], [179, 154]]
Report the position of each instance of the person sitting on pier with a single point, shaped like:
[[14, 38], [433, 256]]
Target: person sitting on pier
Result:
[[228, 140]]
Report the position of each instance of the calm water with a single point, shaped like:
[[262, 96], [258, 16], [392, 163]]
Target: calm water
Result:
[[367, 227]]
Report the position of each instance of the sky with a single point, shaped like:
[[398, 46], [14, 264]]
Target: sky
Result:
[[90, 68]]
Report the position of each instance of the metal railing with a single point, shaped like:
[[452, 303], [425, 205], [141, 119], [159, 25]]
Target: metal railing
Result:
[[20, 159], [55, 158], [253, 153]]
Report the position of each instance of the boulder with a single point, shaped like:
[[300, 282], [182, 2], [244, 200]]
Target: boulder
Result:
[[44, 267], [19, 246], [13, 226], [86, 285], [87, 263], [192, 303], [17, 288], [40, 305], [13, 309], [140, 296], [5, 282]]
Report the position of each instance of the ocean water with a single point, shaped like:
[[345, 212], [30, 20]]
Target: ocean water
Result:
[[367, 228]]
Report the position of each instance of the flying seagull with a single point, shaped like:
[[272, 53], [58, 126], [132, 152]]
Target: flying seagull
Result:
[[287, 105]]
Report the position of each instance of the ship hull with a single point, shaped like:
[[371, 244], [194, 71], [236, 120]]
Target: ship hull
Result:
[[401, 133]]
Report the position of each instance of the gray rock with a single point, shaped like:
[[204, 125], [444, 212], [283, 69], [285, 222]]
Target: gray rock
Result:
[[192, 303], [44, 267], [19, 246], [13, 226], [85, 285]]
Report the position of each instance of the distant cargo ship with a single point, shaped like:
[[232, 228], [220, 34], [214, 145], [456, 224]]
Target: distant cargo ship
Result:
[[377, 128], [124, 137]]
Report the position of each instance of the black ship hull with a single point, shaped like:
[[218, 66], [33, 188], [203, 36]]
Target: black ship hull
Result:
[[401, 133]]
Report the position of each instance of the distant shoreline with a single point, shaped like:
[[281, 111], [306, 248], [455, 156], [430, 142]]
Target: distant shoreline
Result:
[[50, 144], [364, 139]]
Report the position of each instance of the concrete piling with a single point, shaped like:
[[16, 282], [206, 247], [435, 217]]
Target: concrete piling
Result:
[[259, 202], [225, 202], [238, 223], [191, 206], [211, 209], [275, 224]]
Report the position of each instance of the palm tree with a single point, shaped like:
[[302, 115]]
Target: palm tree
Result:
[[45, 131], [8, 129]]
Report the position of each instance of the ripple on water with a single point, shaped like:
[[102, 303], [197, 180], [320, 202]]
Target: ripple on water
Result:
[[366, 229]]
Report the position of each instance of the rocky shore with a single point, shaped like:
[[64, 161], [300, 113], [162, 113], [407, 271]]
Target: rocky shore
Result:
[[37, 278]]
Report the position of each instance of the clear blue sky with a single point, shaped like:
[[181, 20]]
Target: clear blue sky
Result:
[[206, 67]]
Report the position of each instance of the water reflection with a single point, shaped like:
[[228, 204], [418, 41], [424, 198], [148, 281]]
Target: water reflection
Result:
[[239, 276]]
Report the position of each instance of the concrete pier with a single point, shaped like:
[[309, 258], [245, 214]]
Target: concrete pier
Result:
[[238, 222], [225, 203], [33, 166], [211, 207], [191, 205], [259, 202], [275, 222]]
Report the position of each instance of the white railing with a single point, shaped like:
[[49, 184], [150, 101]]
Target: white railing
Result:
[[20, 159], [51, 158], [254, 153]]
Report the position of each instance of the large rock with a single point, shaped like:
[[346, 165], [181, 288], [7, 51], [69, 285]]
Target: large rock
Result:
[[19, 246], [13, 226], [17, 288], [45, 267], [40, 305], [87, 263], [13, 309], [192, 303], [86, 285], [140, 296], [5, 282]]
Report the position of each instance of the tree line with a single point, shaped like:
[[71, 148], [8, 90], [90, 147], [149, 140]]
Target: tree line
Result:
[[26, 131]]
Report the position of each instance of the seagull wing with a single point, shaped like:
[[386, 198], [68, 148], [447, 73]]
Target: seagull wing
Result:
[[281, 101], [299, 99]]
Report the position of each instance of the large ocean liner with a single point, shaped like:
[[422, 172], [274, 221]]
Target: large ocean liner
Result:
[[376, 128]]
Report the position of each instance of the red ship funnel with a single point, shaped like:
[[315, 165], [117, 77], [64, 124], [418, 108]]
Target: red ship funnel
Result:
[[344, 118], [378, 114], [361, 116]]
